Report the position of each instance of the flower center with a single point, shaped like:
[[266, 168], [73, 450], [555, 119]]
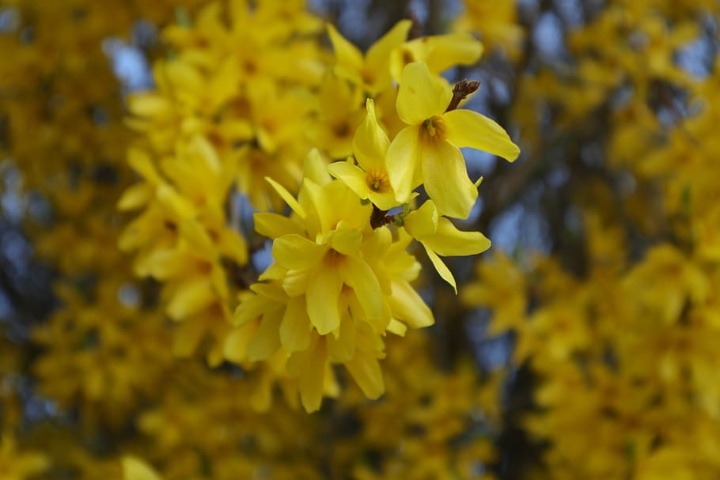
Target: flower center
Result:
[[377, 181], [434, 129]]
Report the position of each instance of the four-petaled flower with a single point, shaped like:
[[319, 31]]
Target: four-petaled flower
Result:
[[427, 151]]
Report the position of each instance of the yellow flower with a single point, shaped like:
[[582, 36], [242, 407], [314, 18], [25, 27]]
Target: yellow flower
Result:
[[497, 24], [438, 52], [369, 179], [501, 287], [428, 150], [182, 237], [337, 118], [373, 70], [440, 237]]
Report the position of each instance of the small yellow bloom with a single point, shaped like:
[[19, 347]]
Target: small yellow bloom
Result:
[[427, 151], [497, 24], [501, 287], [369, 179], [373, 70], [438, 52], [337, 118]]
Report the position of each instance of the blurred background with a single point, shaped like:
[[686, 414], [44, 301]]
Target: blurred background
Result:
[[586, 335]]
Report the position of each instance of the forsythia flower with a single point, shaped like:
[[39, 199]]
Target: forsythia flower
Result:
[[338, 116], [501, 287], [438, 52], [369, 179], [496, 22], [427, 151], [372, 71]]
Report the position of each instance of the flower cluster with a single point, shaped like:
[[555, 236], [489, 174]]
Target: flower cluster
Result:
[[341, 273], [225, 124], [624, 348]]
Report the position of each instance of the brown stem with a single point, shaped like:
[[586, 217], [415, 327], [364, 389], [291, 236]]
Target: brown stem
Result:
[[378, 218], [461, 91]]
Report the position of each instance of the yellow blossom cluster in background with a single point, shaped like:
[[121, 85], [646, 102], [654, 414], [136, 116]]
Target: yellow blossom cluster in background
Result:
[[253, 244], [625, 349]]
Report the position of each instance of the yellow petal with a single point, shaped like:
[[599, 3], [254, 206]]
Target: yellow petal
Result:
[[232, 245], [296, 252], [448, 241], [370, 142], [465, 128], [408, 306], [450, 50], [207, 154], [225, 83], [309, 366], [446, 179], [352, 176], [366, 372], [342, 348], [262, 395], [185, 76], [337, 98], [197, 237], [441, 268], [294, 282], [347, 55], [358, 274], [347, 241], [315, 168], [174, 203], [146, 104], [314, 197], [271, 292], [287, 197], [403, 161], [190, 297], [295, 327], [141, 161], [266, 340], [251, 307], [323, 290], [273, 225], [378, 56], [165, 264], [331, 386], [236, 343], [135, 196], [421, 95], [385, 201], [135, 469], [397, 328], [422, 222]]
